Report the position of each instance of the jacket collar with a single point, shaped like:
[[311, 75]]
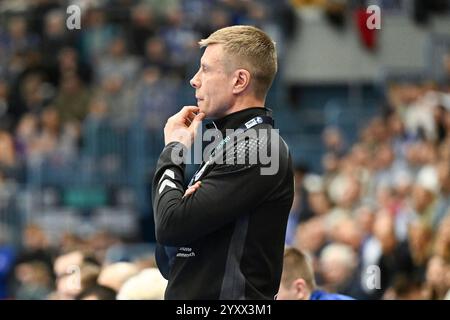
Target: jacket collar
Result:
[[236, 119]]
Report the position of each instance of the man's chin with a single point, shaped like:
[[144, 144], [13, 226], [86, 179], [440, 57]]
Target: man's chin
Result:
[[203, 110]]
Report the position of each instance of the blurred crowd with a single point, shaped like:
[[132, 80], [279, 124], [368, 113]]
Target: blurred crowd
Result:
[[127, 63], [78, 268], [377, 221]]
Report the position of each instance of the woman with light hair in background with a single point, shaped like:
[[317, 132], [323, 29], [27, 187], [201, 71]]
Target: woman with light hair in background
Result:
[[149, 284], [115, 275]]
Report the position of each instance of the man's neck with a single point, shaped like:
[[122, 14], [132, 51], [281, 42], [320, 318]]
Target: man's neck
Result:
[[244, 103]]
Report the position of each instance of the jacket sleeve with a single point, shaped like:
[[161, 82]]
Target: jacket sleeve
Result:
[[225, 193]]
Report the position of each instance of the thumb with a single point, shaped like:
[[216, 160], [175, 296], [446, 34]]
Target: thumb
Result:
[[197, 121]]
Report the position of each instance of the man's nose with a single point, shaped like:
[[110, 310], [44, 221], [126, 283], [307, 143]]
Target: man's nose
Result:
[[195, 82]]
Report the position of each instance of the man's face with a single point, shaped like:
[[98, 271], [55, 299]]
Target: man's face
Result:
[[213, 83]]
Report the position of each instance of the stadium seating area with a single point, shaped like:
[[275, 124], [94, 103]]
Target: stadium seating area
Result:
[[81, 119]]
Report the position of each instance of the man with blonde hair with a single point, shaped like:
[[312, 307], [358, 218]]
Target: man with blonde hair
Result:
[[297, 281], [223, 236]]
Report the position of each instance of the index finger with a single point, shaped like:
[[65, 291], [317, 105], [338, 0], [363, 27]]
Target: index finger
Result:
[[185, 112]]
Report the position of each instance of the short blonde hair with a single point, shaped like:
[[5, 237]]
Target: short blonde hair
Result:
[[252, 49], [297, 265]]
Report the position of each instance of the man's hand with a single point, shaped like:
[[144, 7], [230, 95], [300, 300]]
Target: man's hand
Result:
[[192, 189], [183, 126]]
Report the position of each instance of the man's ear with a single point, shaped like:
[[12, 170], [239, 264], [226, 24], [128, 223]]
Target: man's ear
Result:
[[241, 80], [301, 289]]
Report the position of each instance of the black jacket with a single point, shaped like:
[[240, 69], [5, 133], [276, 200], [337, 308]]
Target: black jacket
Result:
[[230, 233]]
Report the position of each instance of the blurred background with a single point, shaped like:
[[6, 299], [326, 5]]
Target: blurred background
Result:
[[366, 114]]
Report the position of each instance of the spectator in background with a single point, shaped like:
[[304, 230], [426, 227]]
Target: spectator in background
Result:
[[39, 11], [300, 210], [115, 275], [217, 19], [15, 41], [420, 245], [47, 138], [395, 257], [36, 252], [96, 37], [339, 269], [156, 55], [399, 137], [345, 192], [400, 161], [423, 200], [401, 189], [143, 26], [297, 280], [359, 156], [72, 101], [99, 242], [161, 8], [26, 132], [311, 236], [318, 202], [442, 238], [370, 248], [75, 281], [70, 241], [419, 114], [36, 246], [181, 41], [120, 100], [262, 15], [75, 272], [384, 169], [118, 62], [97, 292], [346, 231], [404, 288], [330, 165], [333, 141], [149, 284], [155, 98], [365, 217], [35, 281], [55, 37], [69, 62], [437, 284], [32, 95]]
